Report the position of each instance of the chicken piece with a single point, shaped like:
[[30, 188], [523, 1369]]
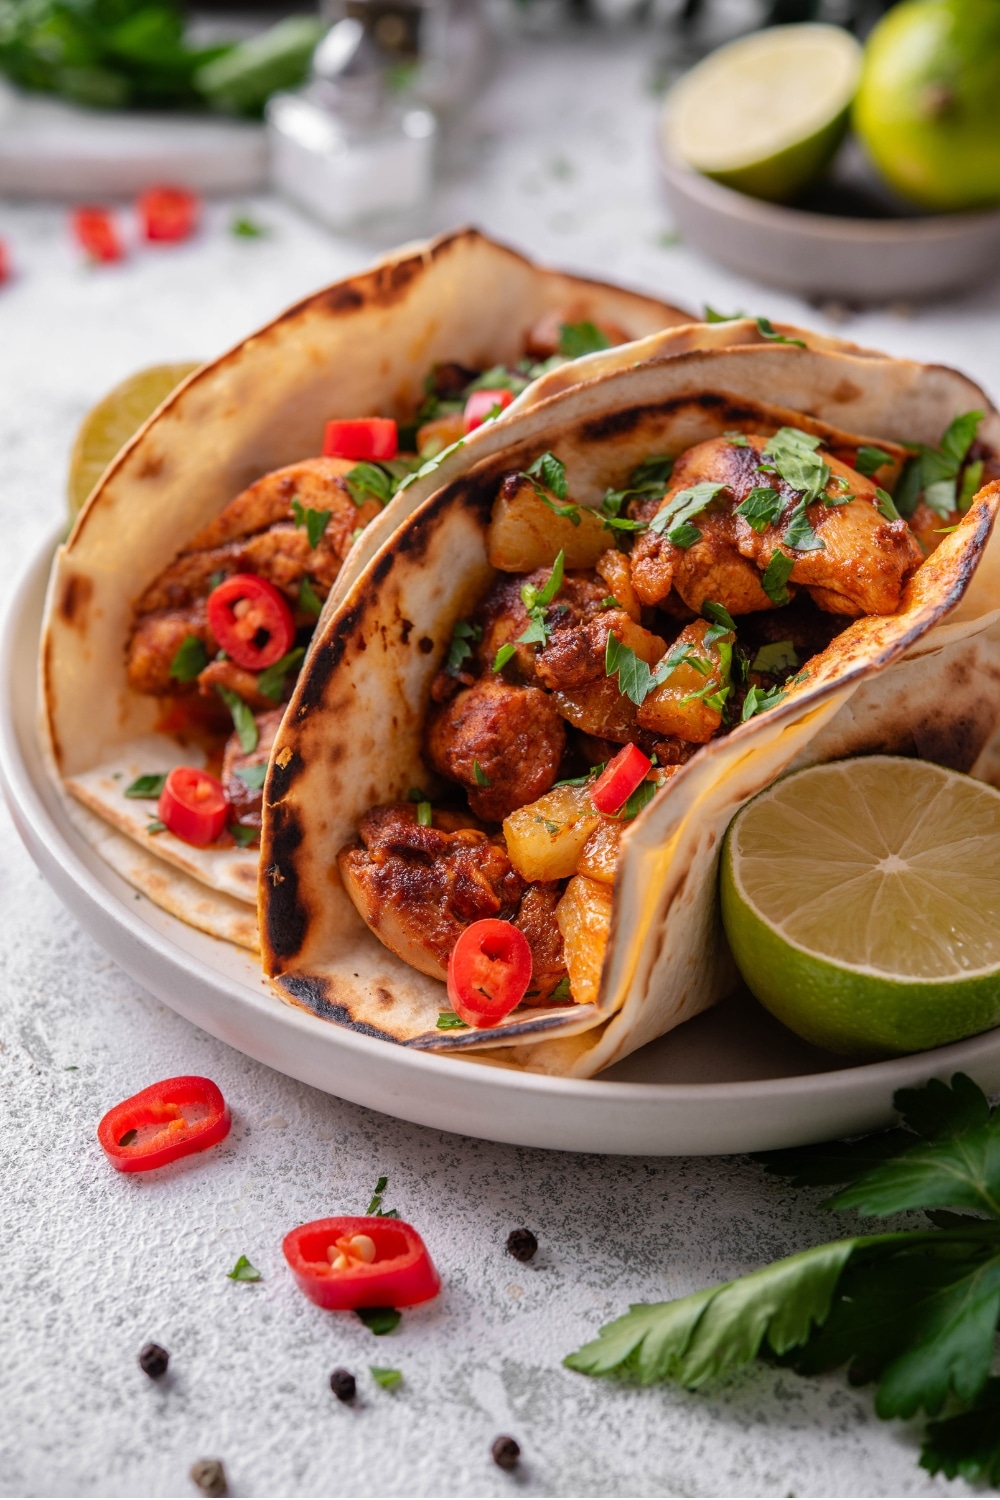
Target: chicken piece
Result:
[[502, 617], [192, 576], [246, 797], [680, 706], [536, 917], [543, 338], [155, 641], [576, 656], [317, 484], [584, 917], [238, 680], [503, 744], [418, 888], [616, 569]]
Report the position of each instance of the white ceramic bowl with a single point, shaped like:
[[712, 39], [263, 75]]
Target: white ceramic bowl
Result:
[[826, 255]]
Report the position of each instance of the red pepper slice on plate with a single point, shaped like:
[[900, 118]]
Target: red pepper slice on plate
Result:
[[481, 403], [193, 805], [168, 1120], [619, 779], [96, 233], [167, 214], [4, 264], [489, 971], [251, 620], [364, 1261], [363, 438]]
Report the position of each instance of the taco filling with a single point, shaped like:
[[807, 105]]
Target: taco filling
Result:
[[220, 635], [611, 646]]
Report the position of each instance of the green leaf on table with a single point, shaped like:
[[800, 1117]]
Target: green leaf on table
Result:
[[381, 1320], [375, 1206], [243, 1271], [386, 1378]]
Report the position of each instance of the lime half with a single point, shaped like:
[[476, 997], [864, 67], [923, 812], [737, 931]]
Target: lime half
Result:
[[765, 114], [108, 426], [861, 900]]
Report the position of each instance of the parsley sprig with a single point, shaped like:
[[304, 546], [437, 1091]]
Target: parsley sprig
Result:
[[934, 471], [914, 1311], [535, 601], [674, 518], [548, 476]]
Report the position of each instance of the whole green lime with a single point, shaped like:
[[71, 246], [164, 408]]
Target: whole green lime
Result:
[[928, 108]]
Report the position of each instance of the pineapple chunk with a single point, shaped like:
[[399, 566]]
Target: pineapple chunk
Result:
[[599, 856], [544, 838], [616, 570], [434, 437], [526, 533], [673, 708], [584, 917]]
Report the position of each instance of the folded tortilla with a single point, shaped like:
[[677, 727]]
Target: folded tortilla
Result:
[[925, 680], [360, 347]]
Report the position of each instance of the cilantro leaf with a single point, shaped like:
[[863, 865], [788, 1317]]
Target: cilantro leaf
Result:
[[636, 680], [243, 720], [271, 681], [375, 1206], [536, 601], [190, 659], [254, 776], [386, 1378], [243, 834], [885, 506], [960, 436], [736, 439], [425, 814], [799, 534], [757, 701], [569, 512], [549, 471], [968, 1444], [650, 475], [503, 656], [460, 651], [243, 1271], [711, 316], [868, 459], [577, 339], [366, 481], [146, 786], [775, 658], [309, 601], [449, 1021], [700, 1337], [639, 799], [674, 518], [793, 454], [776, 576], [481, 777], [971, 480], [313, 520], [960, 1172], [762, 507], [937, 1112], [767, 330], [380, 1320], [245, 228], [496, 378], [156, 826], [719, 615], [934, 471]]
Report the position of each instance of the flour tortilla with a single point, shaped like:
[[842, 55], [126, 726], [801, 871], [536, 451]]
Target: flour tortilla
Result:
[[360, 346], [352, 734]]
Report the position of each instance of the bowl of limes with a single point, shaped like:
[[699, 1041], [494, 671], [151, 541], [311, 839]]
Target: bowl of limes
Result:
[[869, 173]]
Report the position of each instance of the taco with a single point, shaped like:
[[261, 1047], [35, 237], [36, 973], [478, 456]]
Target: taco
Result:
[[692, 570], [181, 607]]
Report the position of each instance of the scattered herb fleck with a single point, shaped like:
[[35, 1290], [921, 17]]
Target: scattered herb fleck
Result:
[[460, 650], [449, 1021], [243, 835], [380, 1320], [885, 506], [245, 228], [156, 826], [868, 459], [147, 786], [243, 1271], [550, 472], [776, 576], [776, 657], [481, 777], [762, 507], [367, 481], [375, 1206], [243, 720], [254, 776], [190, 659], [309, 601], [271, 681], [577, 339], [313, 520], [386, 1378]]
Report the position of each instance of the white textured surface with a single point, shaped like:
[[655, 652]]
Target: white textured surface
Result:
[[93, 1264]]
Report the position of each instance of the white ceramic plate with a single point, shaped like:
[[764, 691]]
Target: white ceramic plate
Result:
[[732, 1080]]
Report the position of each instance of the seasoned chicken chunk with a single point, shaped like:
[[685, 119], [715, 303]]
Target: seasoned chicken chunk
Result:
[[536, 917], [245, 796], [503, 744], [418, 888], [575, 656]]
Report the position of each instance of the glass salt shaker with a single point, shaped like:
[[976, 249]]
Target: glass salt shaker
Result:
[[346, 148]]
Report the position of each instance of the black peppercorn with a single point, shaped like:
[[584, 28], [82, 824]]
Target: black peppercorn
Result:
[[521, 1243], [153, 1360], [506, 1451], [210, 1477], [343, 1385]]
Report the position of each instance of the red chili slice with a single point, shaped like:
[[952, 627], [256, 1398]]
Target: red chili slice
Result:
[[364, 437], [619, 779], [4, 264], [168, 214], [170, 1119], [481, 403], [361, 1262], [193, 805], [251, 621], [97, 234], [489, 971]]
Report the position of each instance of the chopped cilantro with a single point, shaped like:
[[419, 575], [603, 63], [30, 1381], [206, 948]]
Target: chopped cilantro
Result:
[[885, 506], [594, 772], [800, 534], [577, 339], [935, 470], [375, 1206], [684, 535], [459, 651], [449, 1021], [155, 826], [369, 482], [722, 622], [868, 459], [214, 579], [640, 798], [243, 1271], [776, 576], [309, 601], [243, 720], [711, 316], [971, 480], [767, 331], [271, 681], [677, 513], [650, 475], [417, 794], [386, 1378], [757, 701], [243, 835], [190, 659], [481, 777], [313, 520], [793, 454], [636, 680], [550, 472], [253, 776], [761, 508], [147, 786], [503, 656], [245, 228], [610, 602], [425, 815], [561, 992], [536, 602], [737, 439], [380, 1320], [775, 658]]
